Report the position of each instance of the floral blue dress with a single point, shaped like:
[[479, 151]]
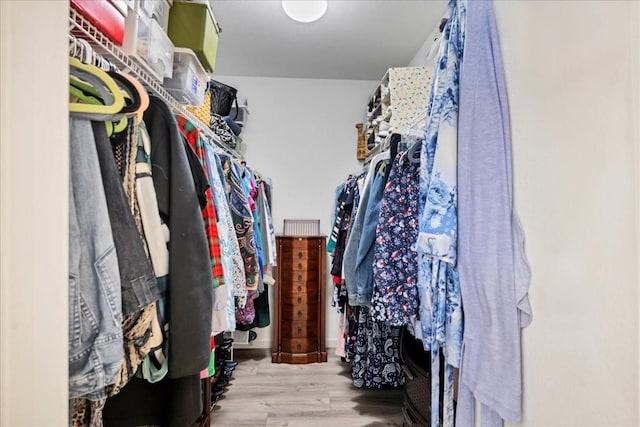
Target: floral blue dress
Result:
[[440, 297], [395, 266]]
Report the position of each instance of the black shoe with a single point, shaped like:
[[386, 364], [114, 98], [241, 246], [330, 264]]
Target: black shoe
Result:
[[222, 382], [230, 364], [218, 391], [252, 335]]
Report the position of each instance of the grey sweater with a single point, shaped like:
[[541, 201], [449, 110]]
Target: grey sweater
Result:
[[494, 273]]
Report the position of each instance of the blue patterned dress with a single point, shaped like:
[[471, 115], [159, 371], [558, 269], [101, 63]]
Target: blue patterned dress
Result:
[[395, 267], [438, 282]]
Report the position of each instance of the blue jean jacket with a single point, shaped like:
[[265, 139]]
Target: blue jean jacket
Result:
[[95, 310]]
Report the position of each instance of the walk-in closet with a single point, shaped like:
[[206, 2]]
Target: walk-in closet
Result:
[[339, 213]]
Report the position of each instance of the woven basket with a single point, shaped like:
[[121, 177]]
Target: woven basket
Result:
[[363, 151], [202, 113]]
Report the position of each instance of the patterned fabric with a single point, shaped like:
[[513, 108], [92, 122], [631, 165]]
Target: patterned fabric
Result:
[[154, 366], [192, 134], [375, 361], [395, 268], [333, 237], [409, 87], [251, 193], [137, 326], [243, 223], [233, 266], [80, 415], [247, 314], [440, 298], [267, 229], [222, 130], [136, 329]]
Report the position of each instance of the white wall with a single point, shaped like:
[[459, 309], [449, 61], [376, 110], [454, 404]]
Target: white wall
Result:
[[33, 213], [572, 78], [301, 133]]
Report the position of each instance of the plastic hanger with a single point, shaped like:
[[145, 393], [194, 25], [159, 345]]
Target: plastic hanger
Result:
[[80, 89], [107, 82], [142, 94], [385, 155], [130, 109]]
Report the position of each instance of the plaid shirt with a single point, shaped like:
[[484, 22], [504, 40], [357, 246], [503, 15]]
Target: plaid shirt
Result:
[[192, 134]]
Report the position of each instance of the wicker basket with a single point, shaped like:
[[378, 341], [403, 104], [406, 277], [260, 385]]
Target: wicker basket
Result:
[[202, 113], [363, 151]]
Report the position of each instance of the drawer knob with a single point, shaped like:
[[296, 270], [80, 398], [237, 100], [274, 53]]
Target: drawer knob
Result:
[[299, 300], [299, 331], [299, 266], [300, 254], [299, 347], [300, 277], [299, 313], [299, 288]]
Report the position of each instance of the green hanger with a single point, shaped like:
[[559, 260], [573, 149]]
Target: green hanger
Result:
[[88, 99], [109, 91]]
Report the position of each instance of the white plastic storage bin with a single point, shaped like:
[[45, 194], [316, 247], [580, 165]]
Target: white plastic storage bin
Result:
[[146, 41], [158, 10], [189, 80]]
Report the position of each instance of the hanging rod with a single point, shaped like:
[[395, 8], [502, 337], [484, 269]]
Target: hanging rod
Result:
[[82, 28]]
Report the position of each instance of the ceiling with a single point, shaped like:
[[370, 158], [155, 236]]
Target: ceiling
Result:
[[356, 39]]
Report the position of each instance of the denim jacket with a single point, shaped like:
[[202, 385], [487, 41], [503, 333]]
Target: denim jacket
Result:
[[95, 313]]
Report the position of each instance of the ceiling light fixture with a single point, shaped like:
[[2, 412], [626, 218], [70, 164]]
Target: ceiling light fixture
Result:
[[304, 10]]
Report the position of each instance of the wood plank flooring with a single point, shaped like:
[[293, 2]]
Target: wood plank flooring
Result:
[[320, 394]]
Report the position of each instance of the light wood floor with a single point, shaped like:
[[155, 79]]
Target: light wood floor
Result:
[[318, 394]]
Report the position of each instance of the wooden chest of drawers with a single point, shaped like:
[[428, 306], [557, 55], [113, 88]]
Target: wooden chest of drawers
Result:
[[299, 329]]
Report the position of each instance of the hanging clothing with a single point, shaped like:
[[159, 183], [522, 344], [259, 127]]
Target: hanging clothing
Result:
[[267, 230], [139, 288], [155, 365], [238, 275], [375, 361], [95, 310], [190, 300], [364, 257], [174, 401], [138, 282], [243, 223], [440, 298], [494, 272], [232, 266], [192, 135], [350, 258], [251, 193], [395, 267]]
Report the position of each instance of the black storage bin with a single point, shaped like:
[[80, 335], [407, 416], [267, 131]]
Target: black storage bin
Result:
[[416, 364], [412, 416]]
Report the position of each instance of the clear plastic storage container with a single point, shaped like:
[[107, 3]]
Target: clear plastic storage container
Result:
[[158, 10], [145, 39], [189, 80]]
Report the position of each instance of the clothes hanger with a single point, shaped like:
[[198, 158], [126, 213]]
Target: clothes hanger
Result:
[[107, 83], [85, 92], [385, 155], [88, 99], [89, 56], [141, 92], [413, 129]]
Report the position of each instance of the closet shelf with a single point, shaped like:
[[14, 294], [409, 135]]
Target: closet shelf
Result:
[[82, 28]]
